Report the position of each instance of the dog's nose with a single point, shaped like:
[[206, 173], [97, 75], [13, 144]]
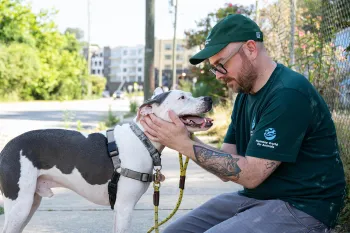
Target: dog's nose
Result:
[[208, 99]]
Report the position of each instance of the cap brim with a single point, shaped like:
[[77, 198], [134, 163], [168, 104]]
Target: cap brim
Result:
[[206, 53]]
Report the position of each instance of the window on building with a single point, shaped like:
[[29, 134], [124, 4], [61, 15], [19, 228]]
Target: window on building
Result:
[[179, 67], [167, 67], [140, 60], [139, 78], [98, 71], [167, 46], [179, 47], [133, 52], [132, 78], [101, 55], [103, 71], [100, 63], [167, 57], [140, 51], [125, 52], [95, 63], [139, 69], [125, 61], [124, 70], [93, 71], [179, 57]]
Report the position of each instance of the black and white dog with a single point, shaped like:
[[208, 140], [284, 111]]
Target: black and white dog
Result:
[[36, 161]]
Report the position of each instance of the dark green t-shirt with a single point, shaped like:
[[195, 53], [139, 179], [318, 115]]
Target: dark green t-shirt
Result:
[[288, 121]]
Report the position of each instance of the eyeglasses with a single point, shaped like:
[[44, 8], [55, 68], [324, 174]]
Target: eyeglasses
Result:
[[220, 66]]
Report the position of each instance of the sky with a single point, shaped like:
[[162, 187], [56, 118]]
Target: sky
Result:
[[122, 22]]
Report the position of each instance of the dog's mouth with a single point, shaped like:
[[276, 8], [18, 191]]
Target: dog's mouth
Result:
[[196, 121]]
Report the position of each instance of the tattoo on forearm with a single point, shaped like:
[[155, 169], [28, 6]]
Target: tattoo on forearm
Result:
[[270, 166], [217, 162]]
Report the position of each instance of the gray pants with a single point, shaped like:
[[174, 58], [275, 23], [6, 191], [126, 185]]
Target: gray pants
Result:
[[231, 212]]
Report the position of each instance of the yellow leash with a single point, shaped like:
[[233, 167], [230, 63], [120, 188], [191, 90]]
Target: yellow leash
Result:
[[156, 186]]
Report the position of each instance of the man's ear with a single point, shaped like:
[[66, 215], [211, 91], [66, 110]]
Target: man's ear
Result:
[[144, 110]]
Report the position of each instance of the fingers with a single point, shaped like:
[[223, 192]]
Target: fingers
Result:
[[152, 138], [175, 118], [157, 121], [147, 128], [151, 123]]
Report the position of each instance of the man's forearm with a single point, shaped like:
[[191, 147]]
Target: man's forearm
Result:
[[224, 165]]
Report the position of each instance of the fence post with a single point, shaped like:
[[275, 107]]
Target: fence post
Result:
[[293, 4]]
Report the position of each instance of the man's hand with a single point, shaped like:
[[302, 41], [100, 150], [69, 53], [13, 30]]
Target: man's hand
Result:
[[170, 134]]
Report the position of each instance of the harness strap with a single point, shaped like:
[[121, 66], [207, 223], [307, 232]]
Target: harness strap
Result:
[[148, 144], [113, 153], [144, 177], [112, 188]]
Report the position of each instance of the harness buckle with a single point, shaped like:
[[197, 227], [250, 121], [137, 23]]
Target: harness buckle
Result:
[[145, 177], [112, 187], [112, 149]]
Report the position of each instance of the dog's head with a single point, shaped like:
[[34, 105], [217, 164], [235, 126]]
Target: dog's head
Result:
[[189, 109]]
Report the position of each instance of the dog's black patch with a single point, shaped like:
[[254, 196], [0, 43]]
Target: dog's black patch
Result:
[[158, 99], [64, 149]]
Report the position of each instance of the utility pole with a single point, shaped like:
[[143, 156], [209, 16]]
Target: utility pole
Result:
[[160, 74], [149, 51], [293, 5], [88, 46], [257, 12], [174, 43]]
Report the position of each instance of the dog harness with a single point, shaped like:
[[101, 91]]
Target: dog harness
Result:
[[113, 153]]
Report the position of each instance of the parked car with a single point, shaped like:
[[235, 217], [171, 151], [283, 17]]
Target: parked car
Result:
[[105, 94], [118, 95]]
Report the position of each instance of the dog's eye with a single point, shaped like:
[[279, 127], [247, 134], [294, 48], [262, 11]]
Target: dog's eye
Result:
[[182, 97]]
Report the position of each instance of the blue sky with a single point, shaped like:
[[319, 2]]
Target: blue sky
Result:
[[122, 22]]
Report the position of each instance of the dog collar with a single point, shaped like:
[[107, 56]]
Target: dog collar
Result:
[[148, 144]]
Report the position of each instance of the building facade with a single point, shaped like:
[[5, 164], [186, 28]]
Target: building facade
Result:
[[126, 67], [97, 63], [163, 60]]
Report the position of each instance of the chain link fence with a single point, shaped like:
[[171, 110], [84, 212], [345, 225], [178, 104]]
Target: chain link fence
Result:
[[313, 38]]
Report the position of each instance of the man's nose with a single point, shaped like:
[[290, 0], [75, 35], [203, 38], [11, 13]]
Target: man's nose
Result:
[[219, 76]]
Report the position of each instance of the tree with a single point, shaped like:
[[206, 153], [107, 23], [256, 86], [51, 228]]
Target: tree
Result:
[[77, 32], [46, 63]]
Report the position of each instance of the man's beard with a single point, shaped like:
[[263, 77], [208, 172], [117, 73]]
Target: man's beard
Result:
[[246, 77]]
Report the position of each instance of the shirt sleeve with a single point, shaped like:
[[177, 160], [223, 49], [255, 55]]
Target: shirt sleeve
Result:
[[280, 131]]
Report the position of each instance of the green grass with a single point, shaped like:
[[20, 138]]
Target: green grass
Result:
[[1, 210]]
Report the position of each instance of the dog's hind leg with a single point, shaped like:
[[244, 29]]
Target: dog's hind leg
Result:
[[17, 211], [17, 216], [35, 206]]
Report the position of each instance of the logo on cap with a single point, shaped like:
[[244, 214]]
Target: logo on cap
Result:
[[207, 41], [258, 35]]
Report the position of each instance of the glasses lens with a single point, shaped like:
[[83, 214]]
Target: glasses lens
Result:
[[221, 68]]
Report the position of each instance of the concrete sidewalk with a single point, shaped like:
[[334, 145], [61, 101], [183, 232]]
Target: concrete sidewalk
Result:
[[68, 212]]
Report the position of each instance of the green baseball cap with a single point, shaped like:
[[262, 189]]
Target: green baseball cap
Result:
[[233, 28]]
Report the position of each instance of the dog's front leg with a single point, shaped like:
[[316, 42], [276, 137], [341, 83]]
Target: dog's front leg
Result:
[[128, 194]]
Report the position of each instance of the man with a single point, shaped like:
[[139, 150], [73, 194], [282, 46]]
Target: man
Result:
[[281, 145]]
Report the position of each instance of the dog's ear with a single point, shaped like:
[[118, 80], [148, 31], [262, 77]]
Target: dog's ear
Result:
[[157, 91], [147, 107], [144, 110]]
